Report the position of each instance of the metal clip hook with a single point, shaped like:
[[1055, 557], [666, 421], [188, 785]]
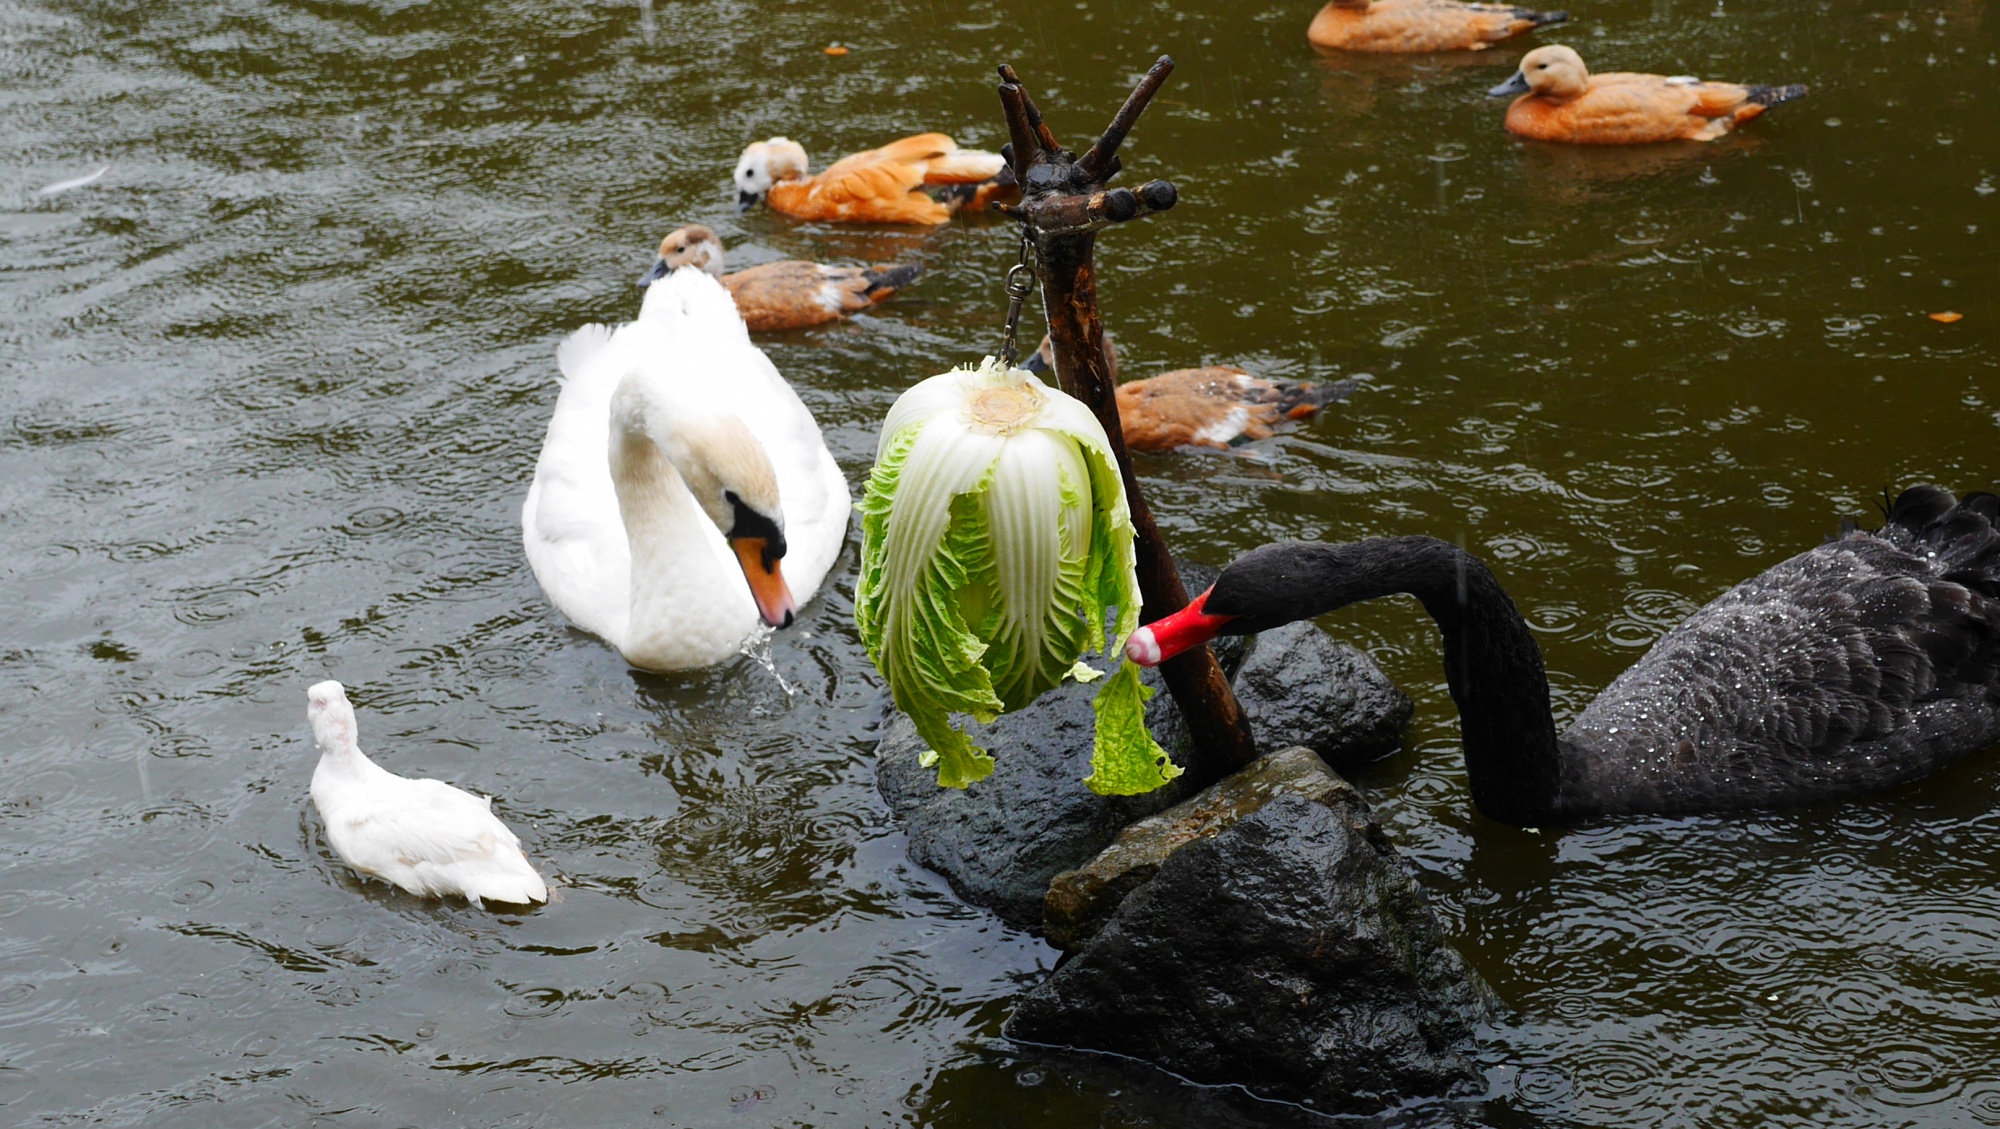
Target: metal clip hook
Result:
[[1020, 282]]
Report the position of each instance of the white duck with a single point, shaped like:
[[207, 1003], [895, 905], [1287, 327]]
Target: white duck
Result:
[[422, 835], [678, 466]]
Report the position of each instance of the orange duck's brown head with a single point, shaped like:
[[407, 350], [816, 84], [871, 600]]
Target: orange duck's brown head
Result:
[[1549, 72]]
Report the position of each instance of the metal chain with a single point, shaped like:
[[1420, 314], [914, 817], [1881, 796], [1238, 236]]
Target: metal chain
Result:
[[1020, 282]]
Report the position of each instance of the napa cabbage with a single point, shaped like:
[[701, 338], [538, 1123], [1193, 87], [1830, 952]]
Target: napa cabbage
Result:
[[995, 540]]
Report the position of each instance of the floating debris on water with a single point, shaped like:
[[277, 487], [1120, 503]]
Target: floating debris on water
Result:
[[74, 182]]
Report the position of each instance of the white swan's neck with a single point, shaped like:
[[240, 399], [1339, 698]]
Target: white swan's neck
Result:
[[675, 545]]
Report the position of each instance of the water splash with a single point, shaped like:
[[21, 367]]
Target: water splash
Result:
[[758, 647]]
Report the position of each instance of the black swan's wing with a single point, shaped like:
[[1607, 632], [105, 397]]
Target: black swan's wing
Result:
[[1870, 660]]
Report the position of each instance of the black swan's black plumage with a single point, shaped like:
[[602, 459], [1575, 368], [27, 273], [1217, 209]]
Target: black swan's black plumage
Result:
[[1868, 661]]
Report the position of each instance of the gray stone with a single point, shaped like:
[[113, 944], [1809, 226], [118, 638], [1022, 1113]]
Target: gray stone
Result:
[[1291, 953], [1300, 687], [1080, 901]]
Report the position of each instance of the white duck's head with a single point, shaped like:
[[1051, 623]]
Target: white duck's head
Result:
[[729, 474], [1554, 71], [332, 719], [692, 246], [766, 163]]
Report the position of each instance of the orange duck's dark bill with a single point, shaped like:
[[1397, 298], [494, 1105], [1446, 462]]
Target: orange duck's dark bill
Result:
[[1168, 636], [775, 605]]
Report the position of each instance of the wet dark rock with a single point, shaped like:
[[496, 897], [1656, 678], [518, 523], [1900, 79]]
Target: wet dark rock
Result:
[[1299, 686], [1291, 953], [1080, 901], [1000, 841]]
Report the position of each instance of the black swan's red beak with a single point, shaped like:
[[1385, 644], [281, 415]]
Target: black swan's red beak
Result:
[[1168, 636]]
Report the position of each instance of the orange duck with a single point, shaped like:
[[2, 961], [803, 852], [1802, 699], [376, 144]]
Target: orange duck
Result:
[[783, 295], [885, 185], [1411, 26], [1219, 406], [1562, 101]]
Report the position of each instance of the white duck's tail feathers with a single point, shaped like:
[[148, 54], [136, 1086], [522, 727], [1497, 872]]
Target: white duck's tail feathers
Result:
[[578, 348], [509, 889], [505, 875]]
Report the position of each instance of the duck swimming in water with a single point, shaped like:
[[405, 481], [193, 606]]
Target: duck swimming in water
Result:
[[883, 185], [424, 836], [1217, 406], [1871, 660], [1560, 100], [1415, 26], [789, 294]]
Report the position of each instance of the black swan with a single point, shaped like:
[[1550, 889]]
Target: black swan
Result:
[[1868, 661]]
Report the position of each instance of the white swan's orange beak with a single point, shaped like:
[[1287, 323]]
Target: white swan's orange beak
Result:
[[775, 605], [1168, 636]]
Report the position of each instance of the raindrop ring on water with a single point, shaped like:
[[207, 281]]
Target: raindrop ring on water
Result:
[[1983, 1103]]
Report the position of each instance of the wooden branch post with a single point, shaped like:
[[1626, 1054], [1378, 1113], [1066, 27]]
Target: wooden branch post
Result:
[[1063, 206]]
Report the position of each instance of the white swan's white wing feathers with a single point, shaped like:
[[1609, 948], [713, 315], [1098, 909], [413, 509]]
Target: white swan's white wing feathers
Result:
[[570, 527], [578, 349]]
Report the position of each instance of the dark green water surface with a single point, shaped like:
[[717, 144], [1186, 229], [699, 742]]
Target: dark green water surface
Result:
[[271, 391]]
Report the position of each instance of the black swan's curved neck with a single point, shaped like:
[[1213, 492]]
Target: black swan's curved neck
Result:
[[1494, 668]]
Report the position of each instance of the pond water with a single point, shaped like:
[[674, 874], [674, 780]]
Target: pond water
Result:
[[275, 383]]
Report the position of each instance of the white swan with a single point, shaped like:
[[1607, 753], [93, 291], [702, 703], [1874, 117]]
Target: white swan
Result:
[[678, 466], [423, 835]]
